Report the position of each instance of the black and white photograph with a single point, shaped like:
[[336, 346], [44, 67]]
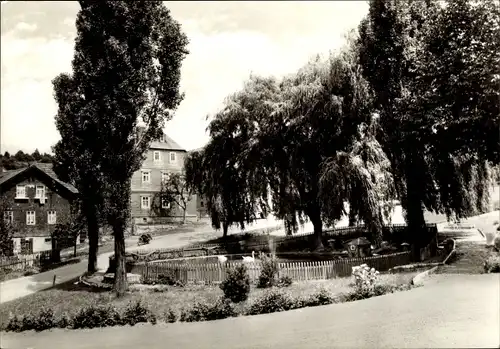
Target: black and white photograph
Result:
[[250, 174]]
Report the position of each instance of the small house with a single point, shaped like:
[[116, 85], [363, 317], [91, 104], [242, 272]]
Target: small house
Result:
[[34, 201], [360, 247]]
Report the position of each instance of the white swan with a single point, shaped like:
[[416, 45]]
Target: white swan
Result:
[[249, 259], [222, 259]]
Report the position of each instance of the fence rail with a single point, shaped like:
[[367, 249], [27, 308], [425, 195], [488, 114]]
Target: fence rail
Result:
[[397, 232], [299, 271], [23, 262]]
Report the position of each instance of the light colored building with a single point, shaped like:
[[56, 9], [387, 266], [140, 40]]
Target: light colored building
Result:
[[164, 156]]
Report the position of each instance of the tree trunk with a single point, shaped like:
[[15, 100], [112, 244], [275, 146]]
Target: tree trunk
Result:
[[352, 217], [74, 249], [183, 215], [93, 235], [415, 212], [315, 217], [225, 228], [288, 227], [120, 271]]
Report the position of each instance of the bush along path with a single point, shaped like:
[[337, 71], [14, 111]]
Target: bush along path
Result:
[[236, 289]]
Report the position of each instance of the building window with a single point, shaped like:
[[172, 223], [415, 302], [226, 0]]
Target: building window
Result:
[[146, 176], [164, 177], [165, 203], [8, 216], [156, 156], [145, 202], [201, 203], [51, 217], [20, 192], [26, 246], [172, 157], [30, 218], [40, 192], [48, 239]]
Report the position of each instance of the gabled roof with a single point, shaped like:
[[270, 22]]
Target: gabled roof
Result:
[[43, 168], [167, 144]]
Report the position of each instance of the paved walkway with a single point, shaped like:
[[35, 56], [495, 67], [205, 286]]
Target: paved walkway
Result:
[[21, 287], [453, 311], [17, 288]]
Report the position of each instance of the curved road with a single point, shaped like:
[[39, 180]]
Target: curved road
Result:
[[449, 311]]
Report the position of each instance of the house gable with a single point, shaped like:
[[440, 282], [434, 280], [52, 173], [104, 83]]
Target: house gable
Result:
[[10, 180]]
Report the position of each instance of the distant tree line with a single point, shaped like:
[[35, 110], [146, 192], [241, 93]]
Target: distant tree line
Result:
[[22, 159]]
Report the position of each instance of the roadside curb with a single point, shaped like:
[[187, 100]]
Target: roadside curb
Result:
[[419, 278]]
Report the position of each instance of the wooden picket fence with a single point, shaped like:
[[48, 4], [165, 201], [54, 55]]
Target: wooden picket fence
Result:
[[397, 231], [23, 262], [299, 271]]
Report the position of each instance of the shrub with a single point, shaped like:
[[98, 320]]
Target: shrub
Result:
[[495, 223], [43, 320], [30, 272], [272, 301], [203, 311], [168, 278], [269, 273], [496, 242], [64, 321], [284, 281], [170, 316], [96, 316], [136, 313], [236, 286], [322, 297], [145, 239], [492, 264], [365, 279]]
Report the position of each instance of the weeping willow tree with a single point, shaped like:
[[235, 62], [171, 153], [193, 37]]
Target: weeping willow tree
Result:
[[298, 139], [227, 171], [434, 73], [362, 177]]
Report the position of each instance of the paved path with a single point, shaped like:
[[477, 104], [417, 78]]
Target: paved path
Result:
[[454, 311], [21, 287], [17, 288]]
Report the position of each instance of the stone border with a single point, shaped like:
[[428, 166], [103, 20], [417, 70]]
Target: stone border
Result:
[[419, 278], [89, 284]]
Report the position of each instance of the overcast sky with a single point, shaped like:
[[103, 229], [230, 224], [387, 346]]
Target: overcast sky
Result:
[[228, 41]]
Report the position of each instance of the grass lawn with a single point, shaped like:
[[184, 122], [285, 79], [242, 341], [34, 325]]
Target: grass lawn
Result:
[[70, 298]]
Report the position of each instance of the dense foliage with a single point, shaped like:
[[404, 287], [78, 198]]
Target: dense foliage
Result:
[[6, 231], [123, 87], [433, 68], [408, 110], [22, 159], [236, 286], [303, 141]]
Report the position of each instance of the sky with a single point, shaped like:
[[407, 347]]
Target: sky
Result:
[[228, 42]]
